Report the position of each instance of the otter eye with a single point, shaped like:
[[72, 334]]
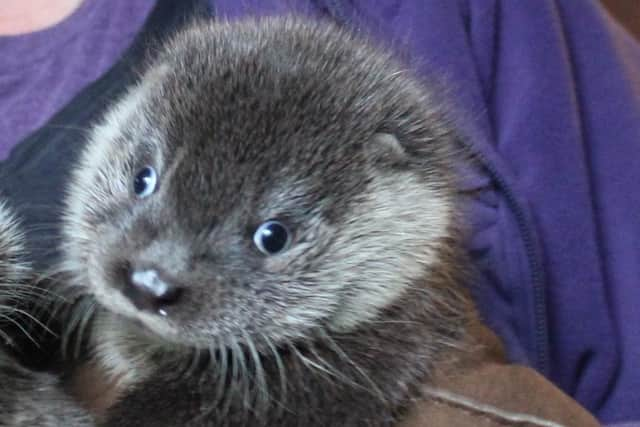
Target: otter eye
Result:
[[145, 182], [272, 237]]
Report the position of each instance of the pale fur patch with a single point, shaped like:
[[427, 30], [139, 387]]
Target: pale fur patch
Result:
[[388, 244]]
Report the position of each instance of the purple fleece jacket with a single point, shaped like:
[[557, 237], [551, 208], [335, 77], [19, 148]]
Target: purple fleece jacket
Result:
[[548, 94]]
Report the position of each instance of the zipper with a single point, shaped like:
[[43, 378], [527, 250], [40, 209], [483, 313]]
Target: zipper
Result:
[[541, 336]]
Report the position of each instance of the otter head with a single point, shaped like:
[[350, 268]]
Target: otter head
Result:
[[263, 179]]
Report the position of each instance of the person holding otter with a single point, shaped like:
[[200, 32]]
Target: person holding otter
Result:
[[544, 96]]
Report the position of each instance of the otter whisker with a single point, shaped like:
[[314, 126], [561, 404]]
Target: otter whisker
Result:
[[344, 378], [282, 374], [232, 390], [30, 316], [5, 337], [77, 321], [326, 372], [244, 377], [262, 397], [21, 327], [195, 361], [84, 130], [18, 294], [82, 327], [342, 355], [222, 366]]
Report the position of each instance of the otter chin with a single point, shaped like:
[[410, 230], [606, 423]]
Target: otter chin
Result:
[[279, 196]]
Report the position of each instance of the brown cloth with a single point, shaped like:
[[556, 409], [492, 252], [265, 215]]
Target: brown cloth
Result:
[[482, 390]]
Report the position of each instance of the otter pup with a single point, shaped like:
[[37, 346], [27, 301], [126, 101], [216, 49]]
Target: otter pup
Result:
[[27, 398], [268, 223]]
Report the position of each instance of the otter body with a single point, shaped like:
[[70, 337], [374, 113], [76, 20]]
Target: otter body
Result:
[[268, 224], [27, 398]]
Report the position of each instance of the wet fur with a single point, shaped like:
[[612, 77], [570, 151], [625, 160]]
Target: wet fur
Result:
[[276, 118]]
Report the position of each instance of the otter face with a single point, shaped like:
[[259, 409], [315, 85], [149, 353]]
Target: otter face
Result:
[[262, 180]]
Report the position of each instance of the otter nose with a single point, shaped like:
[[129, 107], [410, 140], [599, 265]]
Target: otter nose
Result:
[[147, 290]]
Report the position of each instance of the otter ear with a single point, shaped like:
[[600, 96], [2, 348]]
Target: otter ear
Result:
[[385, 148]]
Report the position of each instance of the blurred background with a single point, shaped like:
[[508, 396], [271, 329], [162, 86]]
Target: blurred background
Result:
[[627, 12]]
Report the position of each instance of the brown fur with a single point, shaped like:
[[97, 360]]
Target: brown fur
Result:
[[244, 122]]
